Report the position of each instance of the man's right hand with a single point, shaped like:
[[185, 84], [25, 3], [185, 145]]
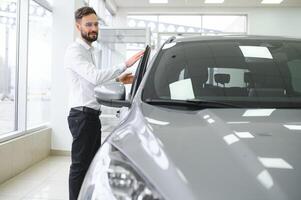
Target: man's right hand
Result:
[[126, 78]]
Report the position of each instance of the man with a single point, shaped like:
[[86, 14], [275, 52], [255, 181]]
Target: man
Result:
[[83, 119]]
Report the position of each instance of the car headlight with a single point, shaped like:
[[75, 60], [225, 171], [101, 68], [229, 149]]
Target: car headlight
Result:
[[112, 176]]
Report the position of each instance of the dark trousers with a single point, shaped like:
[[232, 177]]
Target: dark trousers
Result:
[[85, 128]]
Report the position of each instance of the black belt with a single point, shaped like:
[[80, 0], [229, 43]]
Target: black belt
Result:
[[87, 110]]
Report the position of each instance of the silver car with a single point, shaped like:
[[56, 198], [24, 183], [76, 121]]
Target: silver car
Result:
[[214, 118]]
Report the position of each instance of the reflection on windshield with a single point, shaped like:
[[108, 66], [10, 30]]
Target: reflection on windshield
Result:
[[265, 179], [244, 135], [256, 52], [277, 163], [293, 127], [255, 74], [258, 113], [169, 45]]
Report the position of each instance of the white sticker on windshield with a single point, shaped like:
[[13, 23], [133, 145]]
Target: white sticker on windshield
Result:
[[256, 52], [181, 90]]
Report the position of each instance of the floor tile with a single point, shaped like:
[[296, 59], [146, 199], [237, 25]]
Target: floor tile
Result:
[[50, 190], [9, 197], [46, 180], [18, 188]]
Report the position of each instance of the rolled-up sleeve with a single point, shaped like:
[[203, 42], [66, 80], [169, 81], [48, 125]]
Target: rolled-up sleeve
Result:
[[78, 63]]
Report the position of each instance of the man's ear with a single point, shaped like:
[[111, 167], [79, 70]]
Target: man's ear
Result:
[[78, 25]]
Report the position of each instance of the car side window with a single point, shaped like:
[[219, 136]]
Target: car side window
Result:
[[140, 72]]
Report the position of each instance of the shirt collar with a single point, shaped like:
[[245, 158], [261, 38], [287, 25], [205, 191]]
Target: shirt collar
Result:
[[84, 44]]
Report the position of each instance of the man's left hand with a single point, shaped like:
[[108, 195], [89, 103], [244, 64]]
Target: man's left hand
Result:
[[132, 60]]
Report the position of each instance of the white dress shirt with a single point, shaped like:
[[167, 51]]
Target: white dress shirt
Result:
[[83, 76]]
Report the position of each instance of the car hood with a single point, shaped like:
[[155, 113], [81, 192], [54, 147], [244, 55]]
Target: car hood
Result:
[[217, 153]]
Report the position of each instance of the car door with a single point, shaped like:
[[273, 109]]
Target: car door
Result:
[[140, 71]]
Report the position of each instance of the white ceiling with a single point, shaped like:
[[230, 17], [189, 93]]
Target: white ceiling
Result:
[[200, 3]]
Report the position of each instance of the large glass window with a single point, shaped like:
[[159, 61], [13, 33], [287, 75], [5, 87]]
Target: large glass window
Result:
[[8, 61], [180, 23], [224, 24], [108, 17], [164, 26], [39, 65], [50, 2]]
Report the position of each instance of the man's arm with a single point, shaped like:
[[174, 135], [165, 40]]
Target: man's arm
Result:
[[132, 60], [76, 62]]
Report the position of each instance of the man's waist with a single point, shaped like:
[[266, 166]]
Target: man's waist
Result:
[[88, 110], [84, 103]]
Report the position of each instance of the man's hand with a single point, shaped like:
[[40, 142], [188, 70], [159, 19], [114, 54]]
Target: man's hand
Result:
[[132, 60], [126, 78]]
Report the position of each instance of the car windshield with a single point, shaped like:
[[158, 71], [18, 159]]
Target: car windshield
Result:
[[247, 73]]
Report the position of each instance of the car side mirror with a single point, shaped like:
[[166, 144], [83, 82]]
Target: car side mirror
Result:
[[112, 95]]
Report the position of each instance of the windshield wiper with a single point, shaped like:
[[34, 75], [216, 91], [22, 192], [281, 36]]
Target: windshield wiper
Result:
[[200, 103], [211, 103]]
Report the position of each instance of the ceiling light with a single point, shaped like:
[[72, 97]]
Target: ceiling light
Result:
[[158, 1], [214, 1], [271, 1]]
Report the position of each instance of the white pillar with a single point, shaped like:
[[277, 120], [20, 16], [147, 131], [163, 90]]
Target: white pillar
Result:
[[63, 34]]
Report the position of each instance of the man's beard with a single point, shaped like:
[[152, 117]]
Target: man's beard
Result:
[[88, 37]]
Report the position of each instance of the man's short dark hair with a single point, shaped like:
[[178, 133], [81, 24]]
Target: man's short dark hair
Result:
[[83, 11]]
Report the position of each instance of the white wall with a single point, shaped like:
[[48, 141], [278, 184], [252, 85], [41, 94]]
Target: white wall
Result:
[[63, 35], [281, 22], [263, 21]]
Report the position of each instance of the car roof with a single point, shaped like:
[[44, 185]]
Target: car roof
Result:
[[229, 37]]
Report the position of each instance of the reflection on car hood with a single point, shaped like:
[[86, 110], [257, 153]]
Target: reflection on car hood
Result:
[[216, 153]]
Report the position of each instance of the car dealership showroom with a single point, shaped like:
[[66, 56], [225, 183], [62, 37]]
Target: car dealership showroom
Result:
[[150, 99]]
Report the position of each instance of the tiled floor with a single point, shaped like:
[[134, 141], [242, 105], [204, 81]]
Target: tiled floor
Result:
[[46, 180]]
